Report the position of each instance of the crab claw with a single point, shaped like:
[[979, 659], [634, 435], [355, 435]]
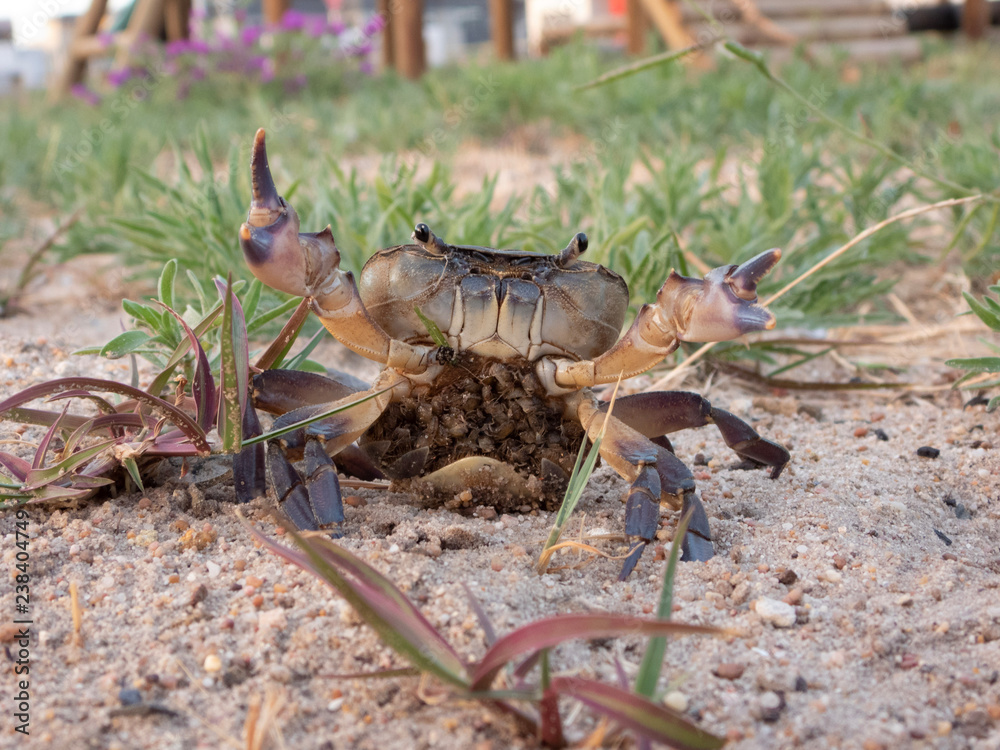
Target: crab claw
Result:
[[303, 264], [723, 305]]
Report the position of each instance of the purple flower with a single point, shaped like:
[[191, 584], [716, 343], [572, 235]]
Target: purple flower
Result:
[[366, 67], [267, 71], [198, 14], [250, 34], [105, 39], [200, 46], [362, 49], [119, 76], [197, 73], [316, 26], [373, 25], [293, 20], [177, 47], [335, 27], [240, 14], [81, 92], [225, 43]]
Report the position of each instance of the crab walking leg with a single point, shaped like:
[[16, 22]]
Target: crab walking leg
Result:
[[316, 500], [657, 477], [307, 264], [662, 412], [719, 307]]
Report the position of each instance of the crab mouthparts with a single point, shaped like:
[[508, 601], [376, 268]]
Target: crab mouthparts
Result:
[[265, 204]]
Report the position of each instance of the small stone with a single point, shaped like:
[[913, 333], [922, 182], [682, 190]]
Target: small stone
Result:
[[943, 728], [881, 434], [272, 619], [198, 595], [740, 593], [355, 501], [676, 700], [788, 577], [839, 562], [771, 704], [830, 576], [254, 581], [496, 564], [335, 705], [860, 432], [926, 451], [213, 569], [871, 744], [793, 597], [257, 601], [779, 614], [906, 600], [729, 670], [213, 663], [908, 661], [949, 556]]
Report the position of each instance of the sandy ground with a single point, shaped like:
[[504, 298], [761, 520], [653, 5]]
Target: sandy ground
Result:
[[890, 561]]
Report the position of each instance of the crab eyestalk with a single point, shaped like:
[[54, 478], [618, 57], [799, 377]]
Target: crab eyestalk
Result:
[[723, 305], [274, 249]]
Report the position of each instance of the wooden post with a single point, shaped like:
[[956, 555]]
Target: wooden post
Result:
[[86, 26], [384, 9], [274, 10], [502, 28], [666, 15], [638, 27], [408, 37], [975, 18], [177, 13]]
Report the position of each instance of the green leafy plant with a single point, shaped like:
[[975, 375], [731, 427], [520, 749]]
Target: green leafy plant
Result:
[[503, 676], [207, 414], [987, 311]]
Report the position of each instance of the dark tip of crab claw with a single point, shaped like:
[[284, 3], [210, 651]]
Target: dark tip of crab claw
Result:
[[745, 277], [265, 194], [752, 318], [257, 245]]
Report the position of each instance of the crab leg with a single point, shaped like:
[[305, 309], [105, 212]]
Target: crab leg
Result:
[[660, 413], [657, 477], [308, 264], [719, 307], [315, 500]]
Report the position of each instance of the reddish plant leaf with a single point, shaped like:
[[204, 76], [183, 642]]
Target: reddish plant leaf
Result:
[[18, 467], [203, 387], [552, 631], [183, 422], [380, 604], [645, 718]]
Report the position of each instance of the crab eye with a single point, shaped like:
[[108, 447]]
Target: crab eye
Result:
[[573, 250], [421, 232]]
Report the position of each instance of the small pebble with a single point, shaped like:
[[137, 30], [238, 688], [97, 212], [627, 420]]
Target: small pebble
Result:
[[788, 577], [729, 670], [926, 451], [676, 700], [213, 569], [860, 432], [839, 562], [906, 600], [355, 501], [779, 614], [213, 663], [830, 576], [335, 705], [881, 434]]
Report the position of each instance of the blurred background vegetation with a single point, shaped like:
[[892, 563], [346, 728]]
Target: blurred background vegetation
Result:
[[673, 167]]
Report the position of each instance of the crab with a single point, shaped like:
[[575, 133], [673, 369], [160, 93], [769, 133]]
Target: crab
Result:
[[489, 359]]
